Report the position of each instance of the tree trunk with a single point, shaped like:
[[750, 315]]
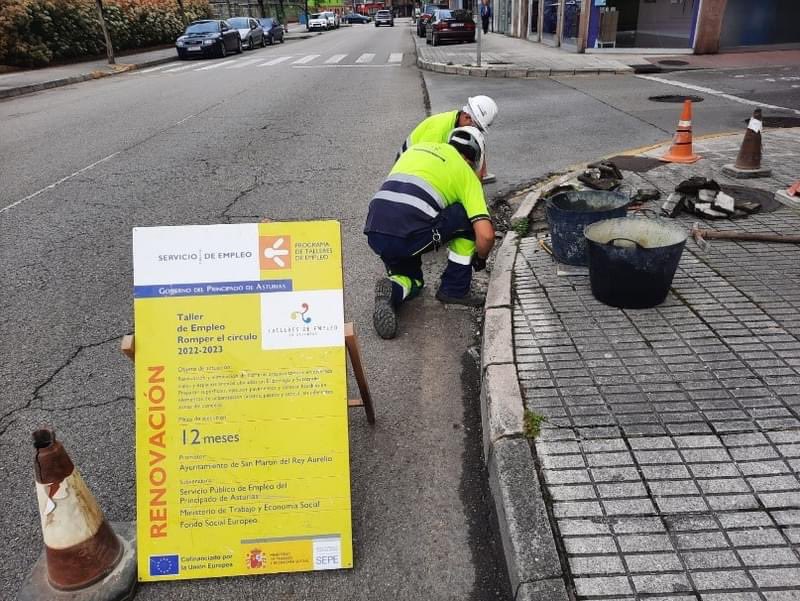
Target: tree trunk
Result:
[[109, 45]]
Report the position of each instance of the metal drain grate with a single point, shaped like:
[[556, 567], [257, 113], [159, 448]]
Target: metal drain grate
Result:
[[675, 98]]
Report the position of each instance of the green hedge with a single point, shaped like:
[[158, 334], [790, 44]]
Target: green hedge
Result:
[[35, 32]]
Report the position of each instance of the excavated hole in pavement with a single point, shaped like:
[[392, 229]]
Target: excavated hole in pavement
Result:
[[675, 98]]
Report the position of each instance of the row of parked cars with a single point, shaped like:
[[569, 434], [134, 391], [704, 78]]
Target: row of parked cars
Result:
[[323, 21], [217, 38], [330, 20], [437, 23]]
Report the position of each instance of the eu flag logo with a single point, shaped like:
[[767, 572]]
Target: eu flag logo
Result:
[[164, 565]]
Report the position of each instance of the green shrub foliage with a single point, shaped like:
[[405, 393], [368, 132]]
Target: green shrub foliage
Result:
[[35, 32]]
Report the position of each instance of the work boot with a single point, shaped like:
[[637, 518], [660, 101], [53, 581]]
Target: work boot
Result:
[[469, 300], [384, 318]]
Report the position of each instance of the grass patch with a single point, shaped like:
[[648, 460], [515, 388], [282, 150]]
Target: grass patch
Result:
[[521, 226], [532, 424]]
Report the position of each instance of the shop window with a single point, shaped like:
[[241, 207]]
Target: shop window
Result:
[[550, 17], [653, 23], [748, 23], [572, 20]]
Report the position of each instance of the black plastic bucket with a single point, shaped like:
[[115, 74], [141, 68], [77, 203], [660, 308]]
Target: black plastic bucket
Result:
[[632, 260], [568, 214]]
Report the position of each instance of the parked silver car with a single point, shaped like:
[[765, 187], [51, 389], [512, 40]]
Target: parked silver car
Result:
[[249, 31]]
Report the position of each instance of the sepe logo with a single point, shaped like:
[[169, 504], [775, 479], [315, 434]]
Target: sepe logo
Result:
[[274, 252], [301, 314], [255, 559]]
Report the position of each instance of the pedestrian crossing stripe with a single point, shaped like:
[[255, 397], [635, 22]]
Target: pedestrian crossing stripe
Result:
[[305, 59], [241, 64], [181, 68], [275, 61], [366, 59], [215, 65]]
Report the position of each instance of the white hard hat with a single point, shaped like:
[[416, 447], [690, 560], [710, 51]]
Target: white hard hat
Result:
[[482, 109], [470, 142]]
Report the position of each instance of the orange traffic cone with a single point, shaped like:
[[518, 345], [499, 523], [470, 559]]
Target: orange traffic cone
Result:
[[681, 149], [82, 553], [748, 162]]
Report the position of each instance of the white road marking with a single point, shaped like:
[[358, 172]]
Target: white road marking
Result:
[[275, 61], [346, 66], [182, 68], [215, 65], [335, 59], [151, 69], [244, 63], [714, 92], [305, 59], [61, 181], [396, 57], [186, 119], [365, 58]]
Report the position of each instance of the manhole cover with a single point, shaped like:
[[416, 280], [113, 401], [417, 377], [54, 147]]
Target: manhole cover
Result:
[[775, 121], [670, 62], [675, 98], [763, 197]]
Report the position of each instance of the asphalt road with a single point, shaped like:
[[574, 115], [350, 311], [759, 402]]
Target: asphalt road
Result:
[[778, 86], [274, 137], [308, 140]]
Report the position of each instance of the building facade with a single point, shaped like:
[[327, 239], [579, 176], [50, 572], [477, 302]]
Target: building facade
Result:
[[672, 26]]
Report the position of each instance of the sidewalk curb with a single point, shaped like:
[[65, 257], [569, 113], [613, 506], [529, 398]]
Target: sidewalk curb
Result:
[[67, 81], [119, 68], [510, 72], [534, 568], [507, 72]]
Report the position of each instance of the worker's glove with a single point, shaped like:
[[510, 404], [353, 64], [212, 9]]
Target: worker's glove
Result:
[[478, 264]]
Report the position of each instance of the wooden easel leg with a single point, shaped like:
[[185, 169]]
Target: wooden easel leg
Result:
[[351, 342]]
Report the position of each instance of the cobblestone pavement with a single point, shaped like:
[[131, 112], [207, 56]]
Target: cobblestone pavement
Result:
[[671, 450]]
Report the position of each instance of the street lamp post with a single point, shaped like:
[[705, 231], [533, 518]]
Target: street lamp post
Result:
[[479, 26]]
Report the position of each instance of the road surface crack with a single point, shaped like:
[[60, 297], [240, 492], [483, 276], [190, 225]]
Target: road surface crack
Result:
[[8, 418]]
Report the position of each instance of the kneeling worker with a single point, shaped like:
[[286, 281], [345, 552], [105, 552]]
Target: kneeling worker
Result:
[[431, 197], [479, 112]]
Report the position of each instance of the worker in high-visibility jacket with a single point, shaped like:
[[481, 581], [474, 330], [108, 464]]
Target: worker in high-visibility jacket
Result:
[[431, 197], [479, 112]]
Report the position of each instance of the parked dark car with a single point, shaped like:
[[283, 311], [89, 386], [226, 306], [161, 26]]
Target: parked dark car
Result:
[[355, 18], [208, 38], [454, 25], [427, 13], [249, 30], [384, 17], [273, 30]]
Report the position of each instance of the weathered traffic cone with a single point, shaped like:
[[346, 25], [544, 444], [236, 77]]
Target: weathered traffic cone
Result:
[[790, 197], [681, 149], [748, 162], [83, 557]]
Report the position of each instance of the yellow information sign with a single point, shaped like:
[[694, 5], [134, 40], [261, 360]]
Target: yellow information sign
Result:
[[242, 458]]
